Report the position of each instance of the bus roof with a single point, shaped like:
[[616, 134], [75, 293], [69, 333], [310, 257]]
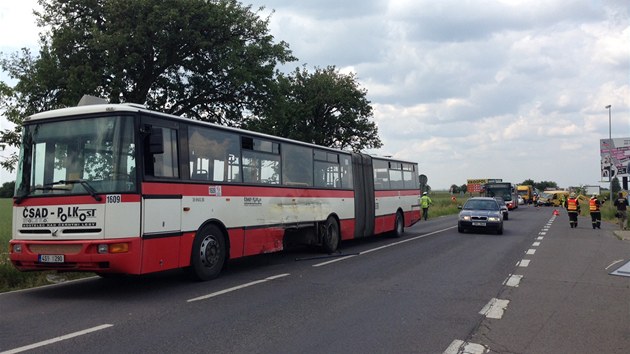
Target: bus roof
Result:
[[138, 108]]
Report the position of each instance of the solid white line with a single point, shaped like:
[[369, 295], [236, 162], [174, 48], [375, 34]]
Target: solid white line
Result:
[[536, 244], [524, 263], [382, 247], [531, 251], [57, 339], [238, 287], [613, 263], [495, 308], [334, 260], [461, 347]]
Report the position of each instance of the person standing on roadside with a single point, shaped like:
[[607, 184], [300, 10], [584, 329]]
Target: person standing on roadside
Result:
[[573, 209], [622, 206], [594, 208], [425, 202]]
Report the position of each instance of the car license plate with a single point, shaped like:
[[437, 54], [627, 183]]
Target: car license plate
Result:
[[51, 258], [478, 224]]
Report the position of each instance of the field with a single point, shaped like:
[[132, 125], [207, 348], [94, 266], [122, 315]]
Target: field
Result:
[[11, 279]]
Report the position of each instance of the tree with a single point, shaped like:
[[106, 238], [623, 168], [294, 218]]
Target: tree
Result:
[[541, 186], [6, 191], [616, 187], [211, 60], [464, 188], [325, 108], [528, 182]]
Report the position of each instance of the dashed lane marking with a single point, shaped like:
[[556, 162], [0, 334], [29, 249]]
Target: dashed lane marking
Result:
[[56, 339], [495, 308]]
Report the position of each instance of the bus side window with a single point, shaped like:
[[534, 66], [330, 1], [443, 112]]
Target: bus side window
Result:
[[213, 155], [161, 159]]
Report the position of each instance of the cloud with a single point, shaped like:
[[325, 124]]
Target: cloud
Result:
[[511, 89]]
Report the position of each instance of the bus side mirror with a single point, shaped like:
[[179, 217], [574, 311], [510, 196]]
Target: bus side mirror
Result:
[[156, 141]]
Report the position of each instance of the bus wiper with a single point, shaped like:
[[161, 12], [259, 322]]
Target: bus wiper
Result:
[[83, 183], [55, 186], [20, 198]]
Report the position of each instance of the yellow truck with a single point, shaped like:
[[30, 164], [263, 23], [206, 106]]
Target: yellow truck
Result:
[[553, 198], [526, 192]]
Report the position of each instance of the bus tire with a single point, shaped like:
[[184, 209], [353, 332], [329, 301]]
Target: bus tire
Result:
[[399, 225], [330, 237], [208, 253]]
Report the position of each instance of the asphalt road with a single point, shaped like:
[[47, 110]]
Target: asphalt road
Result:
[[427, 292]]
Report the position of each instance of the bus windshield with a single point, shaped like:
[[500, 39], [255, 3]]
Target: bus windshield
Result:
[[79, 156]]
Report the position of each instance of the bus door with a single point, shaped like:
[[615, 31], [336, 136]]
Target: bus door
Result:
[[161, 208], [364, 207]]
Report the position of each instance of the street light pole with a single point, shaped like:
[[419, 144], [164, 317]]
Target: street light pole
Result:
[[610, 150]]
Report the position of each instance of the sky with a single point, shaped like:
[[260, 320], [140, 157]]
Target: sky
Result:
[[468, 89]]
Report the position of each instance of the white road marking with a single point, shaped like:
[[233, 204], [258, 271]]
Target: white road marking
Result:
[[57, 339], [531, 251], [383, 247], [238, 287], [613, 263], [542, 233], [514, 280], [461, 347], [495, 308], [535, 244], [524, 263], [540, 238]]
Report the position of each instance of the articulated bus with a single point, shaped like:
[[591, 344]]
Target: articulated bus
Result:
[[119, 189], [504, 190]]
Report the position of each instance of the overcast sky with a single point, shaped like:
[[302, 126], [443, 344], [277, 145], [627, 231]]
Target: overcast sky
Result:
[[510, 89]]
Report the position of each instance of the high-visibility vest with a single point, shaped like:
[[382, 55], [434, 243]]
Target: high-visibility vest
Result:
[[572, 204], [593, 205]]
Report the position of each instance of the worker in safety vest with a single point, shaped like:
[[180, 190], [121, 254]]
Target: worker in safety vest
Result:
[[594, 208], [425, 202], [573, 208]]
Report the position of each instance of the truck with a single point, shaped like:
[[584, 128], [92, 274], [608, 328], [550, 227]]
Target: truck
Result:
[[504, 190], [553, 198], [526, 192]]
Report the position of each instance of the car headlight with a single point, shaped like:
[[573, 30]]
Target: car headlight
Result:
[[494, 218], [465, 217]]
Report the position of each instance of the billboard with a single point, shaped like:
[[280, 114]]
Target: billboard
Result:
[[476, 185], [615, 158]]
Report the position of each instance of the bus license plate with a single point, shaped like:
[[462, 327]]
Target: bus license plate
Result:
[[479, 224], [51, 258]]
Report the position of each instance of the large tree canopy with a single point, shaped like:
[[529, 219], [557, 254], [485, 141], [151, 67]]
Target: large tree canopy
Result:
[[211, 60], [325, 108]]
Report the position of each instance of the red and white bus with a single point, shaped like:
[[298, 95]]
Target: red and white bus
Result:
[[119, 189]]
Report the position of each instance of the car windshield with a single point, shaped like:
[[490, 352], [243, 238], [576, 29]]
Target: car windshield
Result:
[[481, 205]]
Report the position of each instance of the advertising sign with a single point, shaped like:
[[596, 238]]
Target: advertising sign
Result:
[[476, 185], [615, 157]]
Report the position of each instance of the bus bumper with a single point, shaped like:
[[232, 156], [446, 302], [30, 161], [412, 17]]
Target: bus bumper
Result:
[[100, 256]]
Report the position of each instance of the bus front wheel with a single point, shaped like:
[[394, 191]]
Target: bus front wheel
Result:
[[208, 253], [330, 237]]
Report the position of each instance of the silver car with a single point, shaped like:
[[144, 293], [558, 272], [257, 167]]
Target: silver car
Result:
[[481, 214], [504, 208]]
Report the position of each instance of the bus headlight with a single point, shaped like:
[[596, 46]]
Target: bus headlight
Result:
[[102, 249], [17, 248]]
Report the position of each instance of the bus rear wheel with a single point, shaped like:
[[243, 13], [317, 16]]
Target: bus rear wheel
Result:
[[330, 237], [208, 253], [399, 225]]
